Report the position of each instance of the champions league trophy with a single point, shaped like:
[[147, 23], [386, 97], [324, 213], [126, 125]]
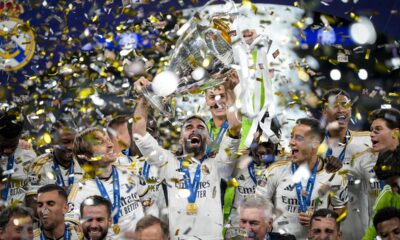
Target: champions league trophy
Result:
[[203, 52]]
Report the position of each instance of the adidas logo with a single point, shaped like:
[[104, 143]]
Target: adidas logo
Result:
[[289, 188]]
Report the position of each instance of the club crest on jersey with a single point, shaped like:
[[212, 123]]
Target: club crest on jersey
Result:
[[17, 41]]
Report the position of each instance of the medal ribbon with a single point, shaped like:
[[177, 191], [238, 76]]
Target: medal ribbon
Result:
[[220, 134], [116, 193], [10, 165], [127, 152], [304, 201], [343, 153], [252, 173], [146, 170], [67, 234], [192, 186], [59, 177]]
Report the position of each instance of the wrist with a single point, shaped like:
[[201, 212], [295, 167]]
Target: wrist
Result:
[[233, 133]]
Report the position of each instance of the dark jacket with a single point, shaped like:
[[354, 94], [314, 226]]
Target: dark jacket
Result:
[[278, 236]]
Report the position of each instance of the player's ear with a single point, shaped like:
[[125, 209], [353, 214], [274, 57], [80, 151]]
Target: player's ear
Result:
[[396, 133]]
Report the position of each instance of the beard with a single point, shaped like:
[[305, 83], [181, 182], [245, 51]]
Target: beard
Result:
[[101, 234], [195, 149]]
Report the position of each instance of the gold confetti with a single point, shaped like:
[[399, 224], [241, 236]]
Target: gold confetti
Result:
[[367, 54], [343, 215], [232, 183], [47, 137], [85, 93]]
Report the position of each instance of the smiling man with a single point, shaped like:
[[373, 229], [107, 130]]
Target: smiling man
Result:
[[345, 144], [302, 185], [193, 179], [118, 184], [385, 125], [58, 166], [96, 217]]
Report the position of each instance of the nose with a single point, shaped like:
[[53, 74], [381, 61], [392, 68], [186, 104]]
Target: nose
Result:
[[94, 224], [292, 142], [245, 225], [323, 236]]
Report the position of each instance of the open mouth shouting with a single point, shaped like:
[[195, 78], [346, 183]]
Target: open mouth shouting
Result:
[[295, 152], [341, 119], [194, 140], [375, 144]]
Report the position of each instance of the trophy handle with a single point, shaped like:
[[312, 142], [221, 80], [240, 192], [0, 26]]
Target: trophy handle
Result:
[[156, 101]]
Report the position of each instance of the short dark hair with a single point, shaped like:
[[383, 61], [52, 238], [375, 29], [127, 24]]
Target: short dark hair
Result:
[[53, 187], [194, 117], [11, 125], [325, 213], [96, 200], [14, 211], [150, 220], [334, 92], [385, 214], [118, 120], [63, 124], [315, 126], [391, 117], [387, 164]]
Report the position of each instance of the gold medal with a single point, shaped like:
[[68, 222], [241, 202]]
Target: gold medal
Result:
[[191, 209], [116, 228]]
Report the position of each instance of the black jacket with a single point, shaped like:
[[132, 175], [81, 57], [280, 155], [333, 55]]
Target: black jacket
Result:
[[278, 236]]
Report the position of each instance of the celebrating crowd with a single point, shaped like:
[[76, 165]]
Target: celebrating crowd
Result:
[[116, 181]]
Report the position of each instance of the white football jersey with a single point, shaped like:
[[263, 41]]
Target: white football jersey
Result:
[[207, 223], [280, 188], [73, 230], [122, 160], [356, 222], [18, 180], [155, 186], [131, 189], [42, 172], [363, 164], [246, 185]]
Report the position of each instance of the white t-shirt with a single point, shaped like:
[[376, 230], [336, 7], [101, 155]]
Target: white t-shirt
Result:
[[356, 222], [280, 188], [18, 182], [131, 209], [208, 222], [42, 172]]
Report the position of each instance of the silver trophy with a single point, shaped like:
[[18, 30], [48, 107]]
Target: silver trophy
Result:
[[202, 55]]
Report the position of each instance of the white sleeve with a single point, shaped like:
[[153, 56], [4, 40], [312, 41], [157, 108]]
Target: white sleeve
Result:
[[226, 159], [75, 198], [157, 156], [267, 186]]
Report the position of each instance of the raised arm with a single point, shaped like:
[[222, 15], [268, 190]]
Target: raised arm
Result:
[[232, 115], [140, 114]]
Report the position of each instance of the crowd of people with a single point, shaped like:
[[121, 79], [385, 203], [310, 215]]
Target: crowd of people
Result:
[[115, 181]]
